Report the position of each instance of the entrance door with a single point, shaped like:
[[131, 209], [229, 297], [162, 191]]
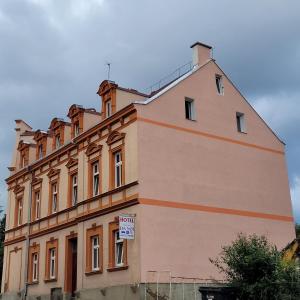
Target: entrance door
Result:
[[71, 265]]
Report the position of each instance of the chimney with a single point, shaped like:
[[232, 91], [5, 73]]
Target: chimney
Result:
[[201, 53]]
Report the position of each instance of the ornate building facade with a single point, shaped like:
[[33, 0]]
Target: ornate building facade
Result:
[[193, 162]]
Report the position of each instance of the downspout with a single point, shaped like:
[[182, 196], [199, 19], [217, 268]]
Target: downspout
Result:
[[27, 242]]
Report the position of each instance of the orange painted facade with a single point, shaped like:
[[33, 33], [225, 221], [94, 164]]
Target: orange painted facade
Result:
[[193, 161]]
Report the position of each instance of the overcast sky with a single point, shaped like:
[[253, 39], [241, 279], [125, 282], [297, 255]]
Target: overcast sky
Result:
[[53, 54]]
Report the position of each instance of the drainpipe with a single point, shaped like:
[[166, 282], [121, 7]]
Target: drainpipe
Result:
[[27, 242]]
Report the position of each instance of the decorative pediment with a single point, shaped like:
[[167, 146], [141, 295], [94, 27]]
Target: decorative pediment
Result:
[[36, 181], [93, 148], [74, 110], [22, 145], [115, 136], [53, 172], [106, 86], [56, 122], [19, 189], [72, 162], [39, 135]]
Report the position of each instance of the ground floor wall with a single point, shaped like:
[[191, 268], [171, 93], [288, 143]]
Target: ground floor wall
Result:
[[87, 279], [178, 241]]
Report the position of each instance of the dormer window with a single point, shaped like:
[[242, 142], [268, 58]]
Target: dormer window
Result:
[[76, 129], [40, 151], [23, 162], [24, 154], [41, 143], [108, 112], [57, 141]]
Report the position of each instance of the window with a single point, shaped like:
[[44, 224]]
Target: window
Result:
[[37, 205], [40, 151], [33, 263], [19, 212], [119, 246], [189, 109], [108, 108], [118, 168], [219, 85], [54, 197], [52, 268], [95, 170], [94, 249], [74, 189], [51, 260], [57, 141], [35, 266], [23, 162], [240, 122], [95, 253], [76, 129]]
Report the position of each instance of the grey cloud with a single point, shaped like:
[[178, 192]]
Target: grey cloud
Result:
[[53, 54]]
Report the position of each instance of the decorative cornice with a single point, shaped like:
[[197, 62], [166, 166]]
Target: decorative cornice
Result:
[[93, 148], [19, 189], [53, 172], [115, 136], [36, 180], [127, 110], [71, 162]]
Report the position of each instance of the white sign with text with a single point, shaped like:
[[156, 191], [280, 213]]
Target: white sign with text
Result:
[[126, 226]]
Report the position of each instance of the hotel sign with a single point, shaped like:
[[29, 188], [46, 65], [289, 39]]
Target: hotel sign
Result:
[[126, 226]]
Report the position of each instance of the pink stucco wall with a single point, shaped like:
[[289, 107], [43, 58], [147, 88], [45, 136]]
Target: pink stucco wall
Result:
[[181, 166]]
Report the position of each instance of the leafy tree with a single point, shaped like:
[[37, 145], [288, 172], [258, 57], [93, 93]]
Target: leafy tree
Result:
[[255, 269], [2, 235], [298, 230]]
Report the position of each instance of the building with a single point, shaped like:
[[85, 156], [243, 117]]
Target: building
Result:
[[192, 161]]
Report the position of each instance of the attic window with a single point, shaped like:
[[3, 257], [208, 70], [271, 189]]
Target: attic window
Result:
[[219, 84], [189, 109], [76, 129], [240, 122], [108, 108], [57, 141]]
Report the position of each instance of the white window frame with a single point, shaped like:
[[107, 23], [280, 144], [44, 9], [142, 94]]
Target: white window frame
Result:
[[118, 241], [118, 168], [108, 111], [52, 261], [35, 269], [240, 122], [74, 179], [54, 197], [57, 141], [76, 129], [190, 110], [37, 197], [95, 252], [20, 211], [40, 150], [219, 84], [96, 174]]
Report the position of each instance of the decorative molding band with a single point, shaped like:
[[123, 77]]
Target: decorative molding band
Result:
[[213, 209]]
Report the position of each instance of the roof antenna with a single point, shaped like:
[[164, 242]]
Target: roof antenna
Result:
[[108, 71]]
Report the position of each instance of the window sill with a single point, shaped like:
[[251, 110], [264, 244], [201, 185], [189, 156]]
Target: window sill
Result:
[[242, 132], [50, 280], [89, 273], [114, 269], [33, 282]]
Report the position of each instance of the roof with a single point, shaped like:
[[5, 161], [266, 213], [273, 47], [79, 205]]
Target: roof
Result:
[[172, 84], [201, 44]]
